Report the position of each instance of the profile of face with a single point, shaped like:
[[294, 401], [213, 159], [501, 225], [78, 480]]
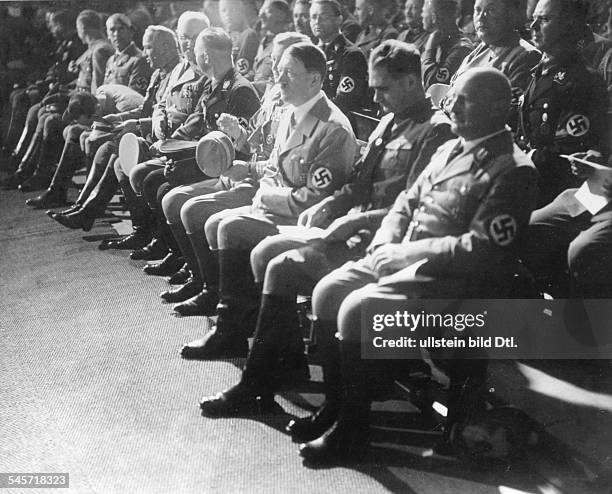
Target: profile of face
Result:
[[470, 109], [364, 11], [153, 48], [187, 33], [211, 9], [428, 15], [301, 18], [493, 21], [231, 13], [296, 83], [201, 56], [412, 13], [58, 30], [547, 28], [80, 31], [272, 18], [118, 33], [324, 22], [389, 92]]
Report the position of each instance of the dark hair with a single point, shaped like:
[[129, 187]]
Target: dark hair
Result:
[[311, 56], [283, 7], [216, 39], [90, 20], [397, 57], [335, 6], [63, 17], [82, 104]]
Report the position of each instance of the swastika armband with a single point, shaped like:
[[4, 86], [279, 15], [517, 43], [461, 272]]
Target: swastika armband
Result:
[[347, 85], [322, 177], [578, 125], [243, 65], [503, 229], [442, 74]]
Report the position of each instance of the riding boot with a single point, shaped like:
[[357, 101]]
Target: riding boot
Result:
[[229, 336], [193, 286], [205, 302], [308, 428], [347, 437], [26, 166], [56, 194], [49, 155]]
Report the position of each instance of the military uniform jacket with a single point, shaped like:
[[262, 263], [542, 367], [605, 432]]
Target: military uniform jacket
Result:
[[515, 61], [183, 90], [418, 37], [397, 152], [313, 162], [233, 94], [65, 67], [128, 68], [439, 63], [260, 136], [371, 37], [92, 65], [244, 50], [262, 64], [563, 111], [346, 82], [464, 215]]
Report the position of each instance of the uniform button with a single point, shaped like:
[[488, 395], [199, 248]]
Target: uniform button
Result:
[[422, 208]]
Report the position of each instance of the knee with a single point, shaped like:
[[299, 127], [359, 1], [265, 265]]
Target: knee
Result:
[[192, 215], [119, 173], [211, 227], [171, 205], [349, 317], [588, 259], [52, 127], [323, 297], [73, 133], [137, 175], [261, 257], [230, 233]]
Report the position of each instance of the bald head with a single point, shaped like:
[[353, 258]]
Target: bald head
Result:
[[479, 102], [189, 25]]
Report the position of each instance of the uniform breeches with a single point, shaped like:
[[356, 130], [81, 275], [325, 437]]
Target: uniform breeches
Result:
[[140, 172], [173, 202], [291, 265], [557, 240]]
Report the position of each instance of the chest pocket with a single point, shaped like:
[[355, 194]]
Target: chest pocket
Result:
[[396, 155], [295, 168], [463, 197]]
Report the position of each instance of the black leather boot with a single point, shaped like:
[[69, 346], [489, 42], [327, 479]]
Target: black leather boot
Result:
[[81, 219], [49, 155], [26, 166], [205, 302], [348, 436], [311, 427], [53, 197], [154, 250], [167, 266]]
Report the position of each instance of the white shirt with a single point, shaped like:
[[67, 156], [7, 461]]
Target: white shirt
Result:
[[301, 111]]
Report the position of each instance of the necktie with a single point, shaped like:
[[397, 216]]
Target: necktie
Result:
[[457, 150]]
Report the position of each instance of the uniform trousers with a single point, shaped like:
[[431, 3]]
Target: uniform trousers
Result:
[[562, 235]]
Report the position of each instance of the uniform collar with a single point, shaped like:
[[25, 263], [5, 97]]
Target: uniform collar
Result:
[[471, 144], [413, 112], [125, 50], [300, 111]]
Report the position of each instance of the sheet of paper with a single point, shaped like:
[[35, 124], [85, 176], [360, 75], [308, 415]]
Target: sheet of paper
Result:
[[301, 231], [587, 196]]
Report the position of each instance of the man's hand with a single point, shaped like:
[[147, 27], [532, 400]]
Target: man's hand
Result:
[[316, 215], [230, 125], [580, 169], [390, 258], [127, 126], [154, 148], [238, 171], [344, 228], [112, 118], [160, 127]]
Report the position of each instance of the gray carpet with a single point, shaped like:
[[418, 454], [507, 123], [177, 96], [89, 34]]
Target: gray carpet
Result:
[[92, 384]]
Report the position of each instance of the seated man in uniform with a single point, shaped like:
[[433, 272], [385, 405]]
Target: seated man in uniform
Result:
[[452, 234], [293, 263], [374, 18], [186, 208], [445, 47], [346, 83], [564, 108], [501, 47], [311, 159], [415, 32]]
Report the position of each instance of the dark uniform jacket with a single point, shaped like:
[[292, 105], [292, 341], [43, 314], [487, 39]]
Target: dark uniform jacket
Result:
[[563, 111], [92, 65], [65, 68], [244, 50], [397, 152], [183, 90], [515, 61], [233, 94], [465, 214], [418, 37], [128, 68], [371, 37], [346, 82], [439, 63]]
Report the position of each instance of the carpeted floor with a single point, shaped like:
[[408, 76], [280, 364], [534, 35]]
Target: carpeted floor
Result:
[[93, 385]]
